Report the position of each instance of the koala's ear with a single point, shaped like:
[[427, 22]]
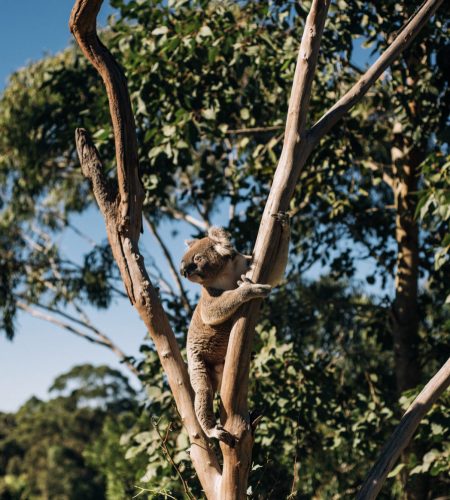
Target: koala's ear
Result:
[[222, 241], [189, 243], [218, 234]]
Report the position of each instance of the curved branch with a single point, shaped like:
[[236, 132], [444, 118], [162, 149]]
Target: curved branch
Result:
[[82, 24], [123, 219], [179, 215], [51, 319], [102, 339], [404, 432], [404, 37]]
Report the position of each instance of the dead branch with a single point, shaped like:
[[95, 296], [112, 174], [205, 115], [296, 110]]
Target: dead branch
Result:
[[51, 319], [121, 206], [101, 338], [179, 215], [404, 432]]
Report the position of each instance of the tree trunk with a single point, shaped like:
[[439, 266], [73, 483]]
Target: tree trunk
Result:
[[405, 314], [407, 157], [405, 325]]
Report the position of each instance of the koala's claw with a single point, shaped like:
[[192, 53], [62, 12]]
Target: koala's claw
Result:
[[244, 281], [256, 289], [261, 290], [221, 434], [282, 217]]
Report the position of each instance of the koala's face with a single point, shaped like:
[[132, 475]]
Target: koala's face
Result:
[[205, 258], [202, 262]]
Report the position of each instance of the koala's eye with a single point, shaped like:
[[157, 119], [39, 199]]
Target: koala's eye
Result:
[[198, 258]]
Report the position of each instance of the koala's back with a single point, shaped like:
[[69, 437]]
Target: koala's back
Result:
[[208, 341]]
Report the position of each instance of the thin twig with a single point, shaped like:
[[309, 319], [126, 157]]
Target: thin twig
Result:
[[172, 268], [55, 321], [180, 215], [253, 130], [102, 339], [166, 450]]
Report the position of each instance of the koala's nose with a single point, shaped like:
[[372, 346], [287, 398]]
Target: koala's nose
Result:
[[186, 270]]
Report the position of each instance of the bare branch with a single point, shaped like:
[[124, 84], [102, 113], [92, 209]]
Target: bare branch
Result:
[[173, 269], [404, 432], [179, 215], [123, 219], [80, 233], [55, 321], [235, 378], [253, 130], [170, 459], [102, 339], [405, 36], [82, 24]]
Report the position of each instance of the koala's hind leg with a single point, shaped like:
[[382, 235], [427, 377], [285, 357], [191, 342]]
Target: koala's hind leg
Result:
[[202, 384], [277, 272]]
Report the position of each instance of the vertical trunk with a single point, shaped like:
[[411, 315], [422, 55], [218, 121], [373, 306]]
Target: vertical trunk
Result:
[[405, 327], [405, 315]]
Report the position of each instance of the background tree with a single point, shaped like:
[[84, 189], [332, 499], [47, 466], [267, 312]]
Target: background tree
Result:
[[43, 444]]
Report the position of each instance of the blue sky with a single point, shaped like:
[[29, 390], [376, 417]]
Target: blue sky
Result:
[[29, 30]]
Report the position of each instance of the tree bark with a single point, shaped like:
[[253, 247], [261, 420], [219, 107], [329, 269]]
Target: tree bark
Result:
[[298, 144], [405, 317], [121, 206], [404, 311], [235, 417], [406, 159]]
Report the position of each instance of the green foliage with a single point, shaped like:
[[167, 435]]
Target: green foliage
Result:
[[42, 445], [203, 74]]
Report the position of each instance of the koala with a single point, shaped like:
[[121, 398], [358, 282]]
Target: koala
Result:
[[220, 269]]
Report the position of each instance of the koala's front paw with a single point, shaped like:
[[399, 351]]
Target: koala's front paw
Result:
[[283, 218], [218, 432], [255, 289], [262, 291]]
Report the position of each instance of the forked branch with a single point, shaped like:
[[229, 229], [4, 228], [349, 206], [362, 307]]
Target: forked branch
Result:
[[237, 362], [121, 205], [298, 144], [403, 39]]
